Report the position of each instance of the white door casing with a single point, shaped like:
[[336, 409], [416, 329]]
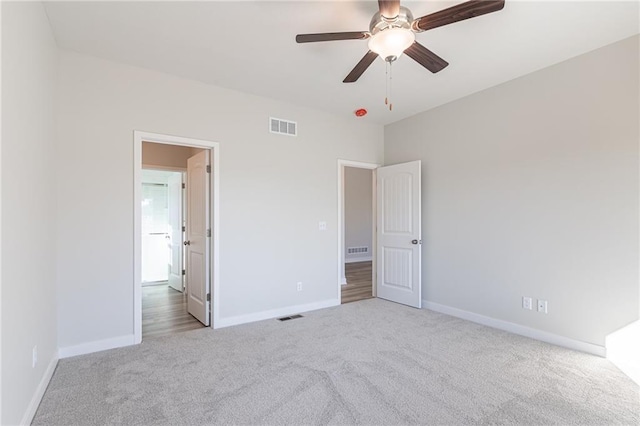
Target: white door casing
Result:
[[213, 148], [399, 234], [175, 230], [196, 241]]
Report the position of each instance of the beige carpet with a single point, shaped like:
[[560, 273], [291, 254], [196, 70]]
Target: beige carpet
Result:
[[369, 362]]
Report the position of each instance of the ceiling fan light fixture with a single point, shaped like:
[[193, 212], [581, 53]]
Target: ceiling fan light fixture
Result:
[[391, 42]]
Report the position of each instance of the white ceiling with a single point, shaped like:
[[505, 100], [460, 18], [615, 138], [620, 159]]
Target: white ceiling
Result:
[[250, 46]]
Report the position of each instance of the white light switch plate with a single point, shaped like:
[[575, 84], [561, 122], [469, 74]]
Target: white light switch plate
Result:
[[322, 226]]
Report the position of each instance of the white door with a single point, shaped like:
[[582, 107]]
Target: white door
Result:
[[399, 234], [174, 234], [197, 242]]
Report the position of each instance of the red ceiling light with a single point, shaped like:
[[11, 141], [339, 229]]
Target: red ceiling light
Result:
[[361, 112]]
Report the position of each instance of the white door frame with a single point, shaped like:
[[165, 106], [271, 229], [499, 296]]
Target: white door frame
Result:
[[214, 147], [341, 222]]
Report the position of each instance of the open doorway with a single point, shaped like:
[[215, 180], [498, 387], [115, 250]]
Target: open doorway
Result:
[[396, 202], [165, 308], [357, 214], [175, 234]]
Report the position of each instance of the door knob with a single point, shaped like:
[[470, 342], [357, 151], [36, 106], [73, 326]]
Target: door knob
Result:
[[414, 241], [187, 243]]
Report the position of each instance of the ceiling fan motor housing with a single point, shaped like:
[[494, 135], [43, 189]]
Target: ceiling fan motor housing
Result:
[[380, 23]]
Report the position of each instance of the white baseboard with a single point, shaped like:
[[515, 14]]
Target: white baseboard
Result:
[[522, 330], [97, 346], [343, 281], [275, 313], [42, 387], [358, 259]]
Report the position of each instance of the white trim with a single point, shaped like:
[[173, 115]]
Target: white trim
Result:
[[215, 235], [39, 393], [137, 238], [214, 148], [358, 259], [342, 280], [1, 210], [275, 313], [97, 346], [514, 328]]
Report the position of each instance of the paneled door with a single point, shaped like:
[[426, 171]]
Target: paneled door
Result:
[[399, 234], [197, 238]]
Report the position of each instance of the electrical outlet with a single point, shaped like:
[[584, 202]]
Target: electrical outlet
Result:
[[34, 357], [542, 306], [299, 286], [322, 226], [527, 303]]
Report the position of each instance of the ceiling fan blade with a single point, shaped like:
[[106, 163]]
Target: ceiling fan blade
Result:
[[425, 57], [311, 38], [361, 67], [389, 8], [456, 13]]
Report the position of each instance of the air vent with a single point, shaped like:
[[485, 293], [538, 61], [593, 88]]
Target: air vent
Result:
[[355, 250], [283, 127], [290, 318]]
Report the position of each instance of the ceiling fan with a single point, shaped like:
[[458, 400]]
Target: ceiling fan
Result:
[[392, 32]]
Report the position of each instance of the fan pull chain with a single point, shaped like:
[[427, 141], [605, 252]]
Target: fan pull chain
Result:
[[390, 85], [388, 78]]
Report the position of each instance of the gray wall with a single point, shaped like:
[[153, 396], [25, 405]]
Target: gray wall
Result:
[[530, 188], [274, 190], [28, 302], [358, 211]]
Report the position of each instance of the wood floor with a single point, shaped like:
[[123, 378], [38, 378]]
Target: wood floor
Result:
[[358, 282], [164, 312]]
